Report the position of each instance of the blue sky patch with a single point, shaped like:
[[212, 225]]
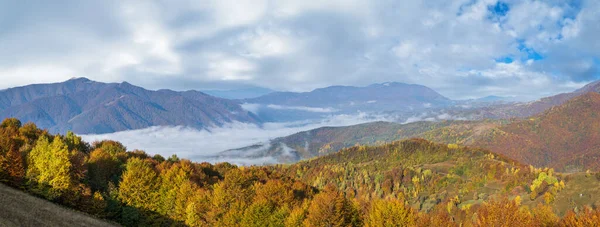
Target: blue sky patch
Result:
[[528, 52], [500, 9], [507, 59]]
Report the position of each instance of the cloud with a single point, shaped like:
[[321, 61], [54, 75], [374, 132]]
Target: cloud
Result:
[[432, 116], [460, 48], [204, 145], [302, 108]]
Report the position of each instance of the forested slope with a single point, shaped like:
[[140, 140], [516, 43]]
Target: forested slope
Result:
[[407, 183]]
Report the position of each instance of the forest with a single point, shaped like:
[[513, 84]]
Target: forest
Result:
[[404, 183]]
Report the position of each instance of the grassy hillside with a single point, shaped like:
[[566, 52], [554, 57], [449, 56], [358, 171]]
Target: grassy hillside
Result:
[[21, 209]]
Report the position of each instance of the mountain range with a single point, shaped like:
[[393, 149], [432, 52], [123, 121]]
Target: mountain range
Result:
[[564, 136], [376, 98], [84, 106], [90, 107]]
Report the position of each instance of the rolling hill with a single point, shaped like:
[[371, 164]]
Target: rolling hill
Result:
[[426, 174], [89, 107], [565, 137], [21, 209], [521, 110], [327, 140]]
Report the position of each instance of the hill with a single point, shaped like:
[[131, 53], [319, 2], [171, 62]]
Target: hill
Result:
[[327, 140], [565, 137], [21, 209], [521, 110], [89, 107], [426, 174]]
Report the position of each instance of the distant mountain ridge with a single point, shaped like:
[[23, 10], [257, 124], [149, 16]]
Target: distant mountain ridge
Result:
[[375, 98], [89, 107], [532, 108], [564, 137], [341, 96]]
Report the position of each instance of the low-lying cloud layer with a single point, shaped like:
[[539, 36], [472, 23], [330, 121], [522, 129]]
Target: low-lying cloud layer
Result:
[[204, 145]]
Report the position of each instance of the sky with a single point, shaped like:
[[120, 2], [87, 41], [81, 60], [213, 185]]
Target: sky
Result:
[[460, 48]]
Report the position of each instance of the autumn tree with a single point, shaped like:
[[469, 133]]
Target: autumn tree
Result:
[[176, 189], [587, 217], [49, 164], [390, 213], [112, 147], [103, 168], [139, 185], [11, 123], [332, 208], [503, 213], [75, 142], [12, 168]]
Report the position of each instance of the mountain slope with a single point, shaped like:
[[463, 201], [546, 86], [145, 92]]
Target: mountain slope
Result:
[[521, 110], [85, 107], [348, 99], [21, 209], [327, 140], [564, 137]]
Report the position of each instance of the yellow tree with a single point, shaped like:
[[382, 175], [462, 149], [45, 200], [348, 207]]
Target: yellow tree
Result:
[[390, 213], [49, 165], [139, 185], [331, 208]]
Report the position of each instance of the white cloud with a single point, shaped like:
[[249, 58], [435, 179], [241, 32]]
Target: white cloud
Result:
[[205, 144], [222, 67], [301, 45], [303, 108]]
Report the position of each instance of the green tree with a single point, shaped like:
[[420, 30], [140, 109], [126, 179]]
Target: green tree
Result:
[[76, 143]]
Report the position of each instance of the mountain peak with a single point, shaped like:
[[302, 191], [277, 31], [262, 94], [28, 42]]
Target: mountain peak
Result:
[[79, 79]]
